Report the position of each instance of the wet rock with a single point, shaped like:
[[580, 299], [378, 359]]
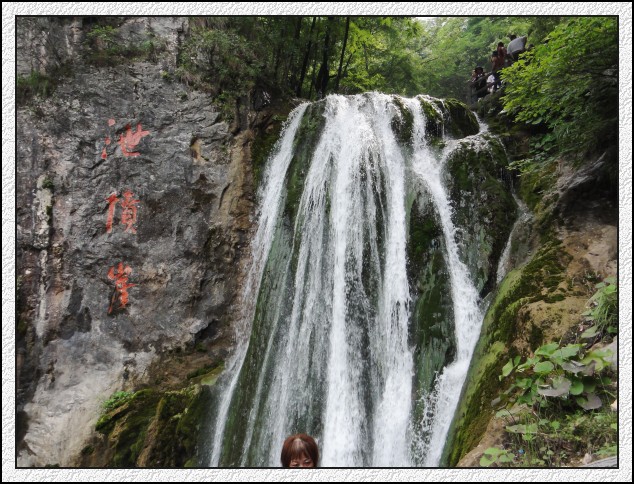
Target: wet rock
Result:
[[129, 240]]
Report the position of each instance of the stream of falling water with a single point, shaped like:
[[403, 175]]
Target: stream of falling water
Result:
[[324, 350]]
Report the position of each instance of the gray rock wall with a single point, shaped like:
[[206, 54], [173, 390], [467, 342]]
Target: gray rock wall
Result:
[[134, 204]]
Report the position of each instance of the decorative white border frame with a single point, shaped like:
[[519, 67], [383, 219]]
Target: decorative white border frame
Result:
[[10, 473]]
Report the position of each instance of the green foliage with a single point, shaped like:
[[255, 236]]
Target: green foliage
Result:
[[163, 426], [554, 406], [383, 55], [36, 84], [493, 456], [570, 84], [452, 47], [229, 55], [220, 60], [536, 442], [116, 400], [567, 373], [104, 34], [48, 184], [104, 45], [603, 311]]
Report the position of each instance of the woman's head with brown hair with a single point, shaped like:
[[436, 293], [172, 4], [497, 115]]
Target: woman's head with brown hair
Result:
[[300, 450]]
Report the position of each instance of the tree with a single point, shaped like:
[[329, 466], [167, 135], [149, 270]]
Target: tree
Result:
[[570, 83]]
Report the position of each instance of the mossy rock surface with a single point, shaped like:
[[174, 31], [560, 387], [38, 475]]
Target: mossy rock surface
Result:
[[432, 322], [484, 210], [150, 428], [403, 123], [434, 120], [502, 323], [462, 121], [262, 148]]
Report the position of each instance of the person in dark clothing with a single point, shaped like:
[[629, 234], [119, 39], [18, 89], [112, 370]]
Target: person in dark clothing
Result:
[[497, 63], [479, 82], [501, 50]]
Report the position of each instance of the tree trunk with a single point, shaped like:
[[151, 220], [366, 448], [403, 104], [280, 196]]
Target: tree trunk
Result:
[[305, 62], [324, 71], [290, 65], [343, 51], [312, 81]]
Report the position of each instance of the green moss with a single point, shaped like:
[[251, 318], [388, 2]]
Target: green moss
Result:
[[403, 125], [22, 327], [534, 184], [462, 121], [88, 450], [261, 149], [208, 374], [434, 122], [36, 84], [520, 287], [120, 406], [484, 208], [47, 184], [536, 336], [431, 324], [164, 427], [310, 128]]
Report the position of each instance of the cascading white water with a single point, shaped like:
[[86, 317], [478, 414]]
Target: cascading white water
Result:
[[441, 403], [522, 220], [329, 352], [260, 247]]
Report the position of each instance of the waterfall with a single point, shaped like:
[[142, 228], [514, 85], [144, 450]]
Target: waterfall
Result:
[[522, 221], [261, 245], [324, 339], [441, 403]]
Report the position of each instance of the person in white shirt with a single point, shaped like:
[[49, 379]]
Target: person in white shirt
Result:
[[516, 46]]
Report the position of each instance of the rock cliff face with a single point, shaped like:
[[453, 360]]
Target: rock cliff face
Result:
[[134, 205], [557, 255]]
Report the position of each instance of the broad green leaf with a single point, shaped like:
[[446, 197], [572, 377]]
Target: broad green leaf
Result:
[[591, 332], [559, 387], [591, 402], [546, 350], [609, 290], [577, 387], [523, 428], [543, 367], [524, 383], [528, 363], [507, 369], [569, 351], [485, 461], [494, 451], [589, 384], [573, 366]]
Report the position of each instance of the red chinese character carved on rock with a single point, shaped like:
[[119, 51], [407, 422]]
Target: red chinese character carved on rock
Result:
[[112, 201], [131, 139], [128, 211], [128, 215], [121, 285]]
